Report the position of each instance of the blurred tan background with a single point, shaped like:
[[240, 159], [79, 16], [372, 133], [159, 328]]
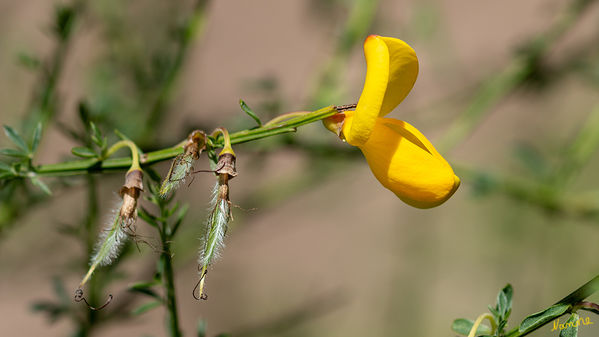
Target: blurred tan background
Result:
[[310, 254]]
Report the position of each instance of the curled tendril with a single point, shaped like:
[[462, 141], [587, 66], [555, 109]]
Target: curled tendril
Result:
[[203, 296], [79, 297]]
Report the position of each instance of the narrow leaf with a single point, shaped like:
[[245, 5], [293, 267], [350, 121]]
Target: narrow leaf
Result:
[[145, 307], [13, 135], [13, 153], [494, 312], [41, 185], [502, 303], [84, 114], [249, 112], [179, 219], [84, 152], [144, 284], [29, 61], [146, 291], [145, 288], [5, 167], [37, 135], [571, 329], [147, 217], [536, 320], [97, 135], [463, 326]]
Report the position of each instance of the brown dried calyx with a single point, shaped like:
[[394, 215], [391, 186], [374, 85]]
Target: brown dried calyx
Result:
[[130, 193], [226, 165], [196, 143]]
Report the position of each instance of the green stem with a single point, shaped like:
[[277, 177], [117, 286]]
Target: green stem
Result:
[[285, 116], [193, 25], [96, 165], [168, 281], [573, 299], [583, 292], [42, 105]]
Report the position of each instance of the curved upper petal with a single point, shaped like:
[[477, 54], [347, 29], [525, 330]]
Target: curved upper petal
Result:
[[406, 163], [391, 71]]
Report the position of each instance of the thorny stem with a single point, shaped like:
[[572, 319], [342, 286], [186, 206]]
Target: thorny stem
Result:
[[96, 165]]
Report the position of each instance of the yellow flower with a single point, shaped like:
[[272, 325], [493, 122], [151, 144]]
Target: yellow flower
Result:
[[400, 157]]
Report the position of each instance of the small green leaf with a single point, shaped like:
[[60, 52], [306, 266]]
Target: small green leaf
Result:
[[146, 284], [504, 301], [84, 152], [5, 167], [180, 217], [95, 131], [250, 112], [29, 61], [97, 136], [535, 320], [41, 185], [463, 326], [84, 114], [13, 153], [146, 291], [501, 303], [145, 307], [54, 310], [571, 329], [147, 217], [37, 135], [201, 331], [493, 311], [64, 19], [14, 136], [531, 159], [153, 175]]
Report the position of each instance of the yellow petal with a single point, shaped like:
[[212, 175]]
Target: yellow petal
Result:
[[391, 71], [406, 163]]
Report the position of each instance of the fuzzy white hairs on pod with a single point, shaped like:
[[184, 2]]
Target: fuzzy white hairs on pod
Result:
[[213, 242], [179, 172], [111, 239]]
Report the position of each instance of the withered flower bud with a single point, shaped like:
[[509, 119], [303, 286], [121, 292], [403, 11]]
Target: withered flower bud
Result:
[[130, 193]]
